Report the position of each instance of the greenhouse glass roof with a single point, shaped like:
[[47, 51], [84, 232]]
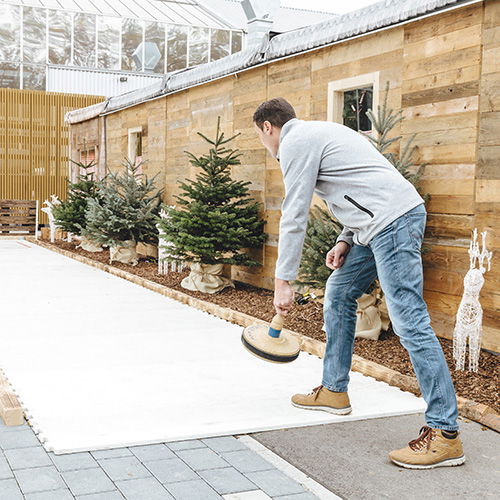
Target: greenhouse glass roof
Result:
[[187, 12]]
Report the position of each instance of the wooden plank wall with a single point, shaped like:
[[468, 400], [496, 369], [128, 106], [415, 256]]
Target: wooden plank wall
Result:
[[443, 72], [34, 144]]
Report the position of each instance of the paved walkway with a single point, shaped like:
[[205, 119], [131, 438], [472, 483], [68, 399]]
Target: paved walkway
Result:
[[351, 460], [212, 468]]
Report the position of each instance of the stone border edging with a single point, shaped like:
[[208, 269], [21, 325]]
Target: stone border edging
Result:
[[478, 412]]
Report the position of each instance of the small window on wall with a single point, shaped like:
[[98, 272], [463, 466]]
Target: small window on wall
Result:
[[356, 103], [88, 158], [349, 100], [135, 147]]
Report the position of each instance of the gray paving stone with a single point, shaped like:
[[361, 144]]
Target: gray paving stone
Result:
[[112, 453], [39, 479], [192, 490], [275, 483], [108, 495], [224, 443], [145, 488], [152, 452], [73, 461], [124, 468], [86, 481], [171, 470], [227, 480], [9, 490], [5, 470], [202, 458], [300, 496], [24, 458], [185, 445], [13, 428], [247, 461], [20, 439], [51, 495]]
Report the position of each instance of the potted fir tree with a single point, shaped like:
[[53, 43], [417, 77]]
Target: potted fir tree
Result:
[[126, 214], [214, 221], [69, 215]]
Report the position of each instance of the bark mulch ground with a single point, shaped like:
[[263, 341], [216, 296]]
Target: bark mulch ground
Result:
[[482, 387]]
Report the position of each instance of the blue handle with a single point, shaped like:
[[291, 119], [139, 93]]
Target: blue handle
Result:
[[274, 333]]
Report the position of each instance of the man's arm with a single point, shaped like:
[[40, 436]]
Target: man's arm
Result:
[[346, 235], [300, 167]]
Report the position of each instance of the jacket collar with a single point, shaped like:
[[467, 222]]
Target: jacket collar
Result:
[[284, 130]]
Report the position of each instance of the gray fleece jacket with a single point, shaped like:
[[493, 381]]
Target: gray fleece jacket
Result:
[[363, 190]]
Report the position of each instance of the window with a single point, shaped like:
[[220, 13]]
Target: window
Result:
[[154, 51], [349, 100], [131, 39], [135, 147], [236, 41], [176, 47], [10, 29], [84, 40], [198, 46], [88, 157], [356, 103], [219, 45], [108, 43], [34, 35], [59, 37]]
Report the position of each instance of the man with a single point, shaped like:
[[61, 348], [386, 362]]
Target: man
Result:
[[384, 220]]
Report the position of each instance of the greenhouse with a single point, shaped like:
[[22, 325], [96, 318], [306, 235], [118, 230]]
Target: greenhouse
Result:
[[129, 36]]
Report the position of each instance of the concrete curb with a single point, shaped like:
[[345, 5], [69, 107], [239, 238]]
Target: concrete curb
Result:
[[467, 408]]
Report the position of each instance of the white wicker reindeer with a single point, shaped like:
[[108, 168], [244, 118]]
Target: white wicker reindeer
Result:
[[54, 200], [163, 263], [470, 313]]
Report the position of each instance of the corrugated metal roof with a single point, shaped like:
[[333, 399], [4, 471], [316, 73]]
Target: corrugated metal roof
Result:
[[186, 12], [382, 14]]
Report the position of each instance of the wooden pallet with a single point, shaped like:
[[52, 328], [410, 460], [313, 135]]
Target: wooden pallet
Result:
[[18, 216]]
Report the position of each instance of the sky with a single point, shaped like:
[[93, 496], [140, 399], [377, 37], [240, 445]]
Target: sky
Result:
[[337, 6]]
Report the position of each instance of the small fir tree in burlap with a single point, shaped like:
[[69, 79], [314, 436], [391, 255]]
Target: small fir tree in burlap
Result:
[[69, 215], [214, 219], [128, 209]]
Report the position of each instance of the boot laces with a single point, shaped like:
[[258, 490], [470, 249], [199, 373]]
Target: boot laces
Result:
[[426, 435], [315, 391]]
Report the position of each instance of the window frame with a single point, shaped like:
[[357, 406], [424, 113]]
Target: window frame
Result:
[[336, 89]]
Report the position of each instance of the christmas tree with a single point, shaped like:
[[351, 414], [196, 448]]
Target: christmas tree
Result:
[[321, 231], [70, 213], [128, 208], [216, 219]]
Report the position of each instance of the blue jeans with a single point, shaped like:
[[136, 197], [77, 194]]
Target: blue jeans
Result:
[[394, 256]]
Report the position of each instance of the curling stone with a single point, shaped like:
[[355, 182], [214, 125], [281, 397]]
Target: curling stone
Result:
[[269, 344]]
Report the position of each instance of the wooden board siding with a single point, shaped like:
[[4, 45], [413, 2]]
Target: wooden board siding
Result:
[[443, 73]]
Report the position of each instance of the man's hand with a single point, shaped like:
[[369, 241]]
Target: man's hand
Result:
[[336, 256], [283, 296]]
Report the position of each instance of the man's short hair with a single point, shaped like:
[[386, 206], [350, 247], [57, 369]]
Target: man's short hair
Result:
[[277, 111]]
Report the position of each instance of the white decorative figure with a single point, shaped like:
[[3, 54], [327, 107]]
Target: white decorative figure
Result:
[[163, 263], [470, 313], [54, 200]]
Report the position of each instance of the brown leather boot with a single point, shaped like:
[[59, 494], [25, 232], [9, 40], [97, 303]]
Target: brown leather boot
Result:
[[321, 398], [431, 449]]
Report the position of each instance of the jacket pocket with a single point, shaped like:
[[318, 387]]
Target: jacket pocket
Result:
[[361, 207]]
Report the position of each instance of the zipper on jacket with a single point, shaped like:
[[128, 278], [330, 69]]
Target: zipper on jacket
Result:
[[361, 207]]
